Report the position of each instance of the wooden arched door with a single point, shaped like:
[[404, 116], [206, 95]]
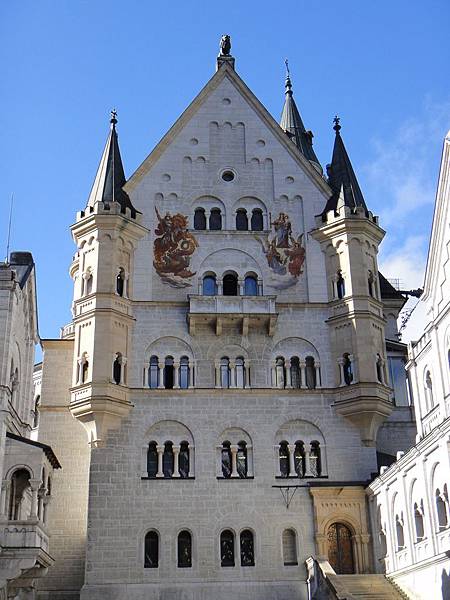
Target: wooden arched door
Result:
[[340, 550]]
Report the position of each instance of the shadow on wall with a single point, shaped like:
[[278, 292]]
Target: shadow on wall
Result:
[[445, 585]]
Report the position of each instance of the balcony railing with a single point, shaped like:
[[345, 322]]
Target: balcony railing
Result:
[[248, 311]]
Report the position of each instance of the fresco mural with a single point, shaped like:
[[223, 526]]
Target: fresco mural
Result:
[[173, 249], [284, 252]]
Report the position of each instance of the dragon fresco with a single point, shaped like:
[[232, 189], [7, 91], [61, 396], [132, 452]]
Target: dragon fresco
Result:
[[172, 249], [284, 252]]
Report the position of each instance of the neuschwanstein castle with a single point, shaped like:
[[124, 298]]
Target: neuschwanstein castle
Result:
[[230, 413]]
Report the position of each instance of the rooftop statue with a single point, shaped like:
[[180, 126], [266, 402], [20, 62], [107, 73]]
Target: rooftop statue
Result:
[[225, 45]]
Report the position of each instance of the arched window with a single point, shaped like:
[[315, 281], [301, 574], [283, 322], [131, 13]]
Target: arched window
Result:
[[20, 483], [299, 458], [151, 550], [257, 223], [184, 372], [89, 280], [215, 219], [240, 372], [441, 510], [315, 465], [340, 285], [289, 548], [284, 459], [399, 532], [310, 371], [183, 460], [379, 368], [120, 282], [371, 284], [209, 285], [347, 367], [84, 368], [418, 521], [199, 219], [168, 373], [184, 549], [227, 548], [280, 372], [429, 391], [230, 285], [36, 415], [241, 460], [241, 220], [168, 460], [117, 369], [153, 372], [247, 549], [225, 372], [226, 460], [250, 286], [152, 459], [296, 381]]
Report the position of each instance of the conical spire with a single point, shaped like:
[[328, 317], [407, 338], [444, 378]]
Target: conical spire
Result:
[[110, 177], [292, 124], [342, 178]]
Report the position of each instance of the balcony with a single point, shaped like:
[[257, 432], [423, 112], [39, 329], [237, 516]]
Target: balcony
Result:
[[245, 311]]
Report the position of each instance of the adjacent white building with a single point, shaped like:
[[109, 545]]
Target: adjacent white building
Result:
[[409, 501]]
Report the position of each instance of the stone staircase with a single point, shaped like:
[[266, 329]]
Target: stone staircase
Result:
[[365, 587]]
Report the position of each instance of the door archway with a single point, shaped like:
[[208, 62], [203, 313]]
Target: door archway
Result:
[[340, 549]]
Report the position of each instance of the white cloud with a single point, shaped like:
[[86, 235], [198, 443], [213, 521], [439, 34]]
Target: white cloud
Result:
[[403, 170]]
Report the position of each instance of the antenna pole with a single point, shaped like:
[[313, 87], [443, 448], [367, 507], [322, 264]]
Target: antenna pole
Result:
[[8, 239]]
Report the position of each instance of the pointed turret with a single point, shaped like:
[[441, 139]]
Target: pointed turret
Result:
[[110, 177], [342, 178], [292, 124]]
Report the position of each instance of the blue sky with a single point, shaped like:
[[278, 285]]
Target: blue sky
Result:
[[382, 66]]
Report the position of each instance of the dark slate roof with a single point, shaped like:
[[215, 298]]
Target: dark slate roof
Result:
[[22, 263], [110, 177], [342, 178], [47, 449], [292, 124], [387, 290]]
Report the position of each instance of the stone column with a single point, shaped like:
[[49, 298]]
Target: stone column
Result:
[[207, 215], [160, 450], [341, 372], [122, 370], [291, 448], [356, 543], [354, 368], [274, 377], [218, 374], [308, 472], [144, 451], [247, 374], [279, 377], [241, 286], [34, 485], [176, 454], [176, 375], [322, 546], [191, 375], [234, 450], [41, 498], [161, 375], [6, 486], [219, 287], [260, 287], [145, 378], [277, 459], [288, 374], [303, 374], [365, 539], [191, 450], [232, 375], [318, 380]]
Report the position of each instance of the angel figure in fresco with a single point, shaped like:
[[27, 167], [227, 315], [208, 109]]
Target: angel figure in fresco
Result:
[[285, 254], [296, 256], [174, 246]]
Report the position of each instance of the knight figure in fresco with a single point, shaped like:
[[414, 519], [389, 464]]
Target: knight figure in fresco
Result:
[[284, 252], [173, 248]]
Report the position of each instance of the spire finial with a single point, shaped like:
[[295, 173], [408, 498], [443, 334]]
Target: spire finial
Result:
[[337, 126], [113, 119], [288, 83]]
